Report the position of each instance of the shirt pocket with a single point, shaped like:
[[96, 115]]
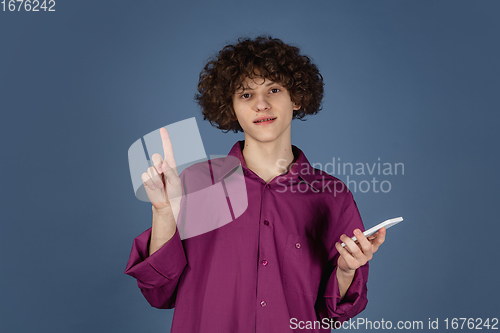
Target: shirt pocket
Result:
[[302, 265]]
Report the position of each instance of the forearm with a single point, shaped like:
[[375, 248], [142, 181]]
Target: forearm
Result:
[[344, 280], [163, 228], [346, 297], [156, 276]]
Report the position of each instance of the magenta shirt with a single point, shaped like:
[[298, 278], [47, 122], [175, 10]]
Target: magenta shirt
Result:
[[270, 269]]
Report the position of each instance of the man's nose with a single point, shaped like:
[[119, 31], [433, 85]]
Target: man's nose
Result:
[[261, 103]]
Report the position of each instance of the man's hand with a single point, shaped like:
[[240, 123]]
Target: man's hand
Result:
[[161, 181], [355, 255], [164, 190]]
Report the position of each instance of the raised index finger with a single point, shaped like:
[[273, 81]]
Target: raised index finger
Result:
[[168, 152]]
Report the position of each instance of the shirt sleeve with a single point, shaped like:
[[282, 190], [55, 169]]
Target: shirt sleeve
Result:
[[158, 274], [355, 299]]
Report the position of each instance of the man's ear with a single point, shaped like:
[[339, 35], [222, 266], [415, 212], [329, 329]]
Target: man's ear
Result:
[[296, 106]]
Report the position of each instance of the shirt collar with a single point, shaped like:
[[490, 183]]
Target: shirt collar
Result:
[[300, 167]]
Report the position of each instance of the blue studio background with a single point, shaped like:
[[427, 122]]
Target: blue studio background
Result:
[[412, 82]]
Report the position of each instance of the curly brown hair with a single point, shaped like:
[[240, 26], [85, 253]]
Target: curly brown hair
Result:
[[264, 57]]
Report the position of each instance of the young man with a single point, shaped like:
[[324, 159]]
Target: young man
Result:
[[279, 266]]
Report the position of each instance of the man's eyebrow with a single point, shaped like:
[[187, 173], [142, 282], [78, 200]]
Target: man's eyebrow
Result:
[[266, 85]]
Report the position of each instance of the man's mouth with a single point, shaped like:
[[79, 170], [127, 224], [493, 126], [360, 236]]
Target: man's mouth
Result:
[[264, 120]]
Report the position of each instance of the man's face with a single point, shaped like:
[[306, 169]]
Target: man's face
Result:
[[263, 99]]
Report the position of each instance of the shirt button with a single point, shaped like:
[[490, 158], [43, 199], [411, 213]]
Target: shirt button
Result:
[[264, 262], [268, 186], [266, 222], [263, 304], [297, 245]]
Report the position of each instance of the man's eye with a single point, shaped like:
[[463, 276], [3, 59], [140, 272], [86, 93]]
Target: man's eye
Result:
[[245, 96], [273, 90]]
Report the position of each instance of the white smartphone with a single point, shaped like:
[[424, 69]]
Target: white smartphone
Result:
[[386, 224]]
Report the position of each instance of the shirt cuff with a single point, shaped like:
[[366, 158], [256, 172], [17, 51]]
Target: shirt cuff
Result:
[[164, 265], [355, 299]]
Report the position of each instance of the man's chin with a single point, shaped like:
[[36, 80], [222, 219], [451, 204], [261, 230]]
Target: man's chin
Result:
[[262, 138]]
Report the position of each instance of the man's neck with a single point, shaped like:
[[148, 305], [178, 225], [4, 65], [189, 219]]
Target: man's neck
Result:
[[268, 159]]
